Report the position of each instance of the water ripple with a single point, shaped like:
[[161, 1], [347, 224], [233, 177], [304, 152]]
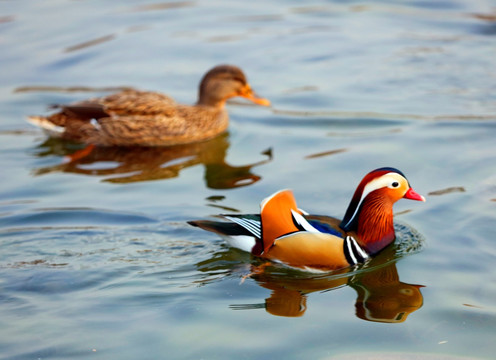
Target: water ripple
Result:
[[72, 217]]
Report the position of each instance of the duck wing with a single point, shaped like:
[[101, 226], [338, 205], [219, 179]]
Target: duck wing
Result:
[[125, 103], [139, 103], [181, 125]]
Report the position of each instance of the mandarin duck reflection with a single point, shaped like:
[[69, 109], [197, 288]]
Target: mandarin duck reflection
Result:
[[283, 233], [144, 118], [381, 296]]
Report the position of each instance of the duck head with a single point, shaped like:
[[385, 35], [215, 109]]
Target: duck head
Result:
[[224, 82], [370, 213]]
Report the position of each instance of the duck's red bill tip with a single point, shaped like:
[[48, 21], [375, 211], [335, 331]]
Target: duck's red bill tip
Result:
[[413, 195]]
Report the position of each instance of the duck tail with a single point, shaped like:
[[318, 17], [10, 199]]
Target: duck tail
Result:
[[46, 125], [233, 233], [221, 228]]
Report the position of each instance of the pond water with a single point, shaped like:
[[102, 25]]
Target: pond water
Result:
[[96, 258]]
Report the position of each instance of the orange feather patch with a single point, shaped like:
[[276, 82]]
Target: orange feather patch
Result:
[[276, 216], [313, 250]]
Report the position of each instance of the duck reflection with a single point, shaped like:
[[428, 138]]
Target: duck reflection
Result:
[[381, 296], [135, 164]]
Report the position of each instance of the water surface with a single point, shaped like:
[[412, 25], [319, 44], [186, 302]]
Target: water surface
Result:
[[96, 257]]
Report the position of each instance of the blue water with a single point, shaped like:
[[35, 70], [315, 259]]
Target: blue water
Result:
[[96, 258]]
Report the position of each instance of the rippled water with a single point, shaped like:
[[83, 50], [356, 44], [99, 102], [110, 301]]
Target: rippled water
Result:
[[96, 258]]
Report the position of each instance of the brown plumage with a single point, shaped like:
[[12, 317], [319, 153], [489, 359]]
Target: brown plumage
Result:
[[145, 118]]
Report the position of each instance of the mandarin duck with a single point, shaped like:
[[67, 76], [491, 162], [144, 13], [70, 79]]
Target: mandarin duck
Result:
[[145, 118], [284, 233]]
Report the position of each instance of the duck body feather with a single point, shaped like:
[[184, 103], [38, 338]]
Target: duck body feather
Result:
[[136, 118]]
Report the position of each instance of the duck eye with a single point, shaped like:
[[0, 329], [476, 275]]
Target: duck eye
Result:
[[395, 184]]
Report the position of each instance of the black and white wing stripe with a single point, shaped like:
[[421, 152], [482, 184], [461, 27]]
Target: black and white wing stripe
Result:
[[353, 252], [253, 226]]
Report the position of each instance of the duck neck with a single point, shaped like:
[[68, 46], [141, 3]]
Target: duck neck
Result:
[[205, 100], [210, 94], [375, 227]]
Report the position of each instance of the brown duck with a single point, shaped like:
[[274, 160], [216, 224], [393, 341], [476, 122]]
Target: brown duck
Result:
[[146, 118]]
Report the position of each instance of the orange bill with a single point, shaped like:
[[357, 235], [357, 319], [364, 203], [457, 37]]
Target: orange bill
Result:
[[249, 94]]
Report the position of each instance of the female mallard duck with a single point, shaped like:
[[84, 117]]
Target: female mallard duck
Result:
[[286, 234], [145, 118]]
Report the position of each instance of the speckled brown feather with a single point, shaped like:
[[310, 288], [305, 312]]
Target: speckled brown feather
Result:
[[141, 118], [188, 124], [133, 102]]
